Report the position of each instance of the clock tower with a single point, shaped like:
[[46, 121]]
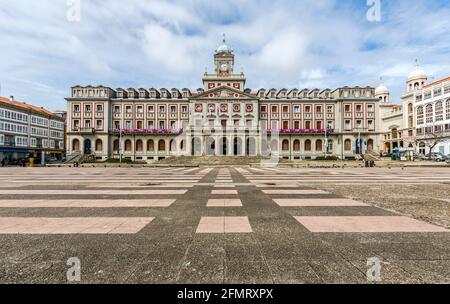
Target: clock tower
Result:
[[224, 59]]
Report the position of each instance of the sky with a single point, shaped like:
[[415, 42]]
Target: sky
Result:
[[46, 48]]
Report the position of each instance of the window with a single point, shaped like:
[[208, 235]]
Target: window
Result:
[[297, 109], [447, 109], [87, 108], [274, 109], [128, 109], [359, 124], [439, 111], [370, 109], [162, 109], [318, 125], [162, 125], [98, 145], [285, 145], [117, 125], [347, 108], [139, 145], [173, 109], [76, 108], [161, 146], [87, 124], [285, 109], [140, 125], [429, 113], [128, 124], [184, 109], [318, 109], [99, 124], [151, 109], [128, 145], [263, 109], [297, 124], [76, 124], [150, 145], [348, 145], [285, 124], [308, 125], [348, 125], [358, 108], [308, 109], [140, 109], [150, 124], [370, 124], [329, 109], [308, 146], [99, 108], [319, 146], [420, 117], [116, 109]]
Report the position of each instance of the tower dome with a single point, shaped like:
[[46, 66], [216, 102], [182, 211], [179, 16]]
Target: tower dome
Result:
[[417, 73], [382, 92], [224, 48], [417, 79], [381, 89]]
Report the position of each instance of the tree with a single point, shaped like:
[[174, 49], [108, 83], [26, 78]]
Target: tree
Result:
[[432, 136]]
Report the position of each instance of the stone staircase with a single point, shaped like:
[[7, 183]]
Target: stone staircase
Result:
[[210, 160]]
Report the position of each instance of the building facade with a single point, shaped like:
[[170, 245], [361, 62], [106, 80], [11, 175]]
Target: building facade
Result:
[[421, 119], [29, 131], [224, 117]]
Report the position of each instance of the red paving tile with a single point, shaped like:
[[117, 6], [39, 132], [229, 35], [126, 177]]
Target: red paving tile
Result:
[[161, 203], [306, 192], [366, 224], [318, 203], [224, 203], [223, 224]]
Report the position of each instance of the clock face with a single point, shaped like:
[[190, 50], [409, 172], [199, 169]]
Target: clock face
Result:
[[224, 67]]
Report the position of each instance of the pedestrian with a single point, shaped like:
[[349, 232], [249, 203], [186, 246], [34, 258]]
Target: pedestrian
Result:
[[3, 162]]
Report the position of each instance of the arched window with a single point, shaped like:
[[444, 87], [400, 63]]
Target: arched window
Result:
[[370, 145], [98, 145], [429, 113], [162, 145], [348, 145], [308, 147], [439, 111], [285, 145], [76, 145], [128, 145], [296, 145], [420, 116], [182, 146], [116, 146], [319, 147], [410, 108], [150, 145], [274, 145], [173, 145], [139, 146]]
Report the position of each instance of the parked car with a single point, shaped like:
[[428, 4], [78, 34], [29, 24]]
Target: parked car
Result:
[[385, 154], [439, 157]]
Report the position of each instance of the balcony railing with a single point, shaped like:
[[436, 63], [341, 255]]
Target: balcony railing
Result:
[[302, 131], [147, 131]]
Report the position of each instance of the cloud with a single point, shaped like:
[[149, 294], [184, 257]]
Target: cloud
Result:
[[284, 43]]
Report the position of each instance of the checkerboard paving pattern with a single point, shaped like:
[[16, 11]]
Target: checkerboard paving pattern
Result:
[[224, 224], [224, 203]]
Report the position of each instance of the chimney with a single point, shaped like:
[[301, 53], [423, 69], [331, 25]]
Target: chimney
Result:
[[11, 98]]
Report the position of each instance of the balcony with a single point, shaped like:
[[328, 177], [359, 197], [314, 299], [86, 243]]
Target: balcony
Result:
[[84, 131], [147, 131], [302, 131]]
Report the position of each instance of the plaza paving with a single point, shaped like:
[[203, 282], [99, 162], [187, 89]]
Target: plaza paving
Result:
[[224, 225]]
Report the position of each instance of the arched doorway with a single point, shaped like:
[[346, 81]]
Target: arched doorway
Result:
[[98, 145], [139, 146], [308, 145], [251, 146], [319, 146], [224, 146], [348, 145], [128, 145], [76, 145], [87, 146], [370, 145], [237, 146], [210, 146], [296, 145], [196, 148], [162, 146], [173, 145], [150, 145], [116, 146], [285, 145]]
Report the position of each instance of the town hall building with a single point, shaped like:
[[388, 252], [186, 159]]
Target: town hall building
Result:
[[223, 117]]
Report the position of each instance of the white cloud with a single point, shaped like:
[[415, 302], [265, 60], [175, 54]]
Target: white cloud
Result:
[[283, 43]]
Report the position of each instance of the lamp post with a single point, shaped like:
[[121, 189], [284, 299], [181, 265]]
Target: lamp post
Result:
[[120, 145]]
